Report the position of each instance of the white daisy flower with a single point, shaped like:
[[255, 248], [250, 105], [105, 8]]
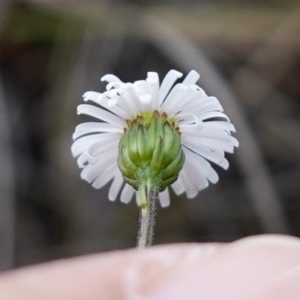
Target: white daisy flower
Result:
[[190, 130]]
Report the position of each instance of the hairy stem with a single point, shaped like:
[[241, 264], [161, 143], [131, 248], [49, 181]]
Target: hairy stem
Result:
[[147, 200]]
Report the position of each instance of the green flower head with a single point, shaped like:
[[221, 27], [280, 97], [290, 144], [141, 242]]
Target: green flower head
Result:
[[150, 151]]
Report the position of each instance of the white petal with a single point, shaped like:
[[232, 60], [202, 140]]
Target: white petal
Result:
[[146, 101], [141, 87], [186, 99], [82, 160], [167, 84], [131, 107], [191, 78], [153, 83], [209, 106], [213, 115], [83, 143], [178, 187], [93, 96], [125, 106], [173, 93], [98, 149], [202, 150], [92, 127], [164, 198], [217, 134], [91, 172], [101, 114], [191, 127], [188, 183], [195, 173], [112, 102], [224, 164], [127, 193], [207, 154], [143, 91], [105, 177], [116, 109], [132, 93], [177, 95], [115, 186], [202, 165], [110, 78], [188, 122], [219, 125], [113, 85], [199, 89], [112, 93], [215, 143], [197, 103]]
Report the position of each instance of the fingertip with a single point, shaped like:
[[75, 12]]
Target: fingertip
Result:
[[111, 276], [241, 270]]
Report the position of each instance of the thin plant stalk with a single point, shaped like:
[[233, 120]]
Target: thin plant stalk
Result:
[[148, 200]]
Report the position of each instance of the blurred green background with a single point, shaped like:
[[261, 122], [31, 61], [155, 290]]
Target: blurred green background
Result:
[[52, 51]]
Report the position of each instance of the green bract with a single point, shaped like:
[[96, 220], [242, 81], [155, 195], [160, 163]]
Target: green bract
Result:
[[150, 151]]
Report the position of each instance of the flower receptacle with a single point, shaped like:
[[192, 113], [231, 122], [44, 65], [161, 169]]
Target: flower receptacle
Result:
[[150, 151]]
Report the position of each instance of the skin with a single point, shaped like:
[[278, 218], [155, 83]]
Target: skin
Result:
[[261, 268]]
